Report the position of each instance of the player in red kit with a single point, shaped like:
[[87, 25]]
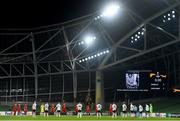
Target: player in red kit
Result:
[[25, 109], [110, 109], [19, 109], [76, 109], [14, 109], [88, 109], [53, 108], [64, 107]]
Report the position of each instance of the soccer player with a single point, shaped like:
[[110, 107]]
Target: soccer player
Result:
[[135, 110], [132, 109], [151, 109], [46, 109], [76, 109], [58, 110], [110, 109], [14, 109], [124, 110], [140, 110], [25, 109], [64, 108], [79, 107], [114, 110], [147, 110], [19, 109], [99, 109], [42, 110], [34, 105], [52, 109], [88, 109]]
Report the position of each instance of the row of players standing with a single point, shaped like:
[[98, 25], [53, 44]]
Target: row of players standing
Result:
[[45, 109]]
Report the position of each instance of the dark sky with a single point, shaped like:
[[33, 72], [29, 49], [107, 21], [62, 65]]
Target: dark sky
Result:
[[32, 13]]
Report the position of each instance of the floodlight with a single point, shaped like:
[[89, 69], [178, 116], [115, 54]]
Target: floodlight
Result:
[[136, 39], [131, 41], [80, 61], [136, 35], [169, 19], [173, 16], [169, 15], [139, 32], [89, 39], [92, 57], [142, 33], [164, 21], [86, 59], [104, 52], [110, 10], [89, 58], [107, 51], [173, 12], [95, 55], [132, 37], [98, 54], [164, 16]]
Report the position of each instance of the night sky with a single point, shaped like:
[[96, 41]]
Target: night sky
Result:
[[33, 13]]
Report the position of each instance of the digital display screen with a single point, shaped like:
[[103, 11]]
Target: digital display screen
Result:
[[132, 80], [143, 81]]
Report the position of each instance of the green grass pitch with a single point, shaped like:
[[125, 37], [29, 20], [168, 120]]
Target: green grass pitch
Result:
[[71, 118]]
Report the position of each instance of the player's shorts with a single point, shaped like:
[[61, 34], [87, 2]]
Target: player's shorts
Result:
[[46, 111], [79, 111], [114, 111], [124, 111], [33, 111], [132, 111], [99, 111], [147, 111], [58, 111]]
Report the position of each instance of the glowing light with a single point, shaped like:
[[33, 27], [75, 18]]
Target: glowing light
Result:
[[89, 40], [169, 19], [111, 10]]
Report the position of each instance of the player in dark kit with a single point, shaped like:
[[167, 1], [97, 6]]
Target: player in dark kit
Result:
[[25, 109], [14, 109]]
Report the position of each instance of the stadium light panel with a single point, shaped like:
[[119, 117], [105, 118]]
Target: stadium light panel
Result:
[[107, 51], [89, 39], [169, 19], [173, 16], [173, 12], [169, 14], [110, 10]]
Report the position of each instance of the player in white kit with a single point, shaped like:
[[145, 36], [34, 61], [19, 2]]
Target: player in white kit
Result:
[[114, 110], [46, 106], [99, 109], [58, 110], [124, 110], [79, 107], [147, 110], [132, 109], [34, 105], [140, 110]]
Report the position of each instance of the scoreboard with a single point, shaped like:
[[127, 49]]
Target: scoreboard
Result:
[[158, 81], [143, 81]]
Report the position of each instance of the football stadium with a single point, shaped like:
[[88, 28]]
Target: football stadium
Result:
[[90, 60]]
